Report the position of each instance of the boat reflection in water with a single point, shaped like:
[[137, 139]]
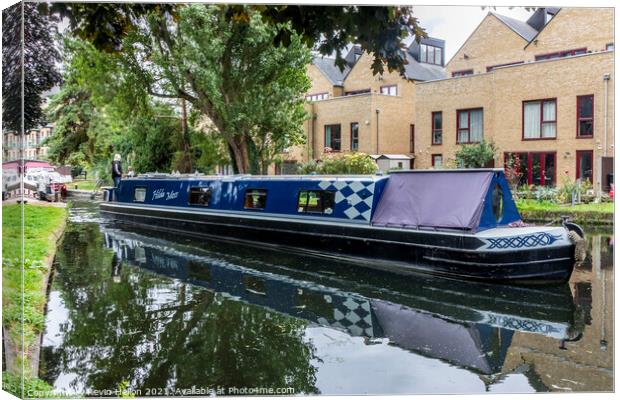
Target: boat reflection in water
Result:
[[467, 324]]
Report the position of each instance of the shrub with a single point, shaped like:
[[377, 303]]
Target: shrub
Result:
[[475, 155], [349, 163], [568, 187]]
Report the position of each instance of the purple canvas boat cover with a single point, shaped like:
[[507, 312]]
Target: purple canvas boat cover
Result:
[[436, 199]]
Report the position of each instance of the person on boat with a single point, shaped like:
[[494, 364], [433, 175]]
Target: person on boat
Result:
[[130, 172], [117, 171]]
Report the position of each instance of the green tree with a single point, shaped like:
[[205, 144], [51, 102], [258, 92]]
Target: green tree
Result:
[[98, 113], [37, 73], [477, 155], [228, 70], [377, 29]]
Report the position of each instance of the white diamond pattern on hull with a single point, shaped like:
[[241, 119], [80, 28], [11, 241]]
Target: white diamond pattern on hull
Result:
[[358, 194]]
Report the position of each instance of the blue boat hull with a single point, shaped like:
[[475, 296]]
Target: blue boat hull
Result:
[[396, 250]]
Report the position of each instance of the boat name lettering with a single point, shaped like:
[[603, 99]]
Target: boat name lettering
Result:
[[162, 194]]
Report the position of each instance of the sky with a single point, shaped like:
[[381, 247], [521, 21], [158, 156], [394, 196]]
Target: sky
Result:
[[454, 24]]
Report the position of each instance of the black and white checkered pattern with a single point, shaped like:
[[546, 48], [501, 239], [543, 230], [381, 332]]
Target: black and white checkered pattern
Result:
[[350, 314], [357, 194]]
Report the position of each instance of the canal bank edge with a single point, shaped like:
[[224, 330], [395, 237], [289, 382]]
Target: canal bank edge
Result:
[[10, 348], [589, 218]]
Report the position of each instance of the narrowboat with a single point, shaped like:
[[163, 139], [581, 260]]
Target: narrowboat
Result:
[[462, 224]]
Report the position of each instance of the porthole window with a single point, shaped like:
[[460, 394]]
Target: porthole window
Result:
[[316, 201], [255, 199], [139, 194], [200, 196], [498, 202]]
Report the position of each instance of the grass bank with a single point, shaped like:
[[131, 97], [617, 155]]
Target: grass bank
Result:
[[546, 211], [43, 226], [82, 185]]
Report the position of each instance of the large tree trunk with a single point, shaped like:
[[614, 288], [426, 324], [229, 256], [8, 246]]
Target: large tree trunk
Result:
[[239, 148]]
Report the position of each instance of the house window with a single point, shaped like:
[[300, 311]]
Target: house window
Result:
[[585, 116], [200, 196], [560, 54], [463, 72], [431, 54], [539, 119], [437, 160], [139, 194], [533, 168], [255, 199], [437, 127], [412, 138], [469, 126], [317, 96], [316, 201], [390, 90], [332, 137], [353, 92], [609, 46], [355, 129], [492, 67], [585, 165]]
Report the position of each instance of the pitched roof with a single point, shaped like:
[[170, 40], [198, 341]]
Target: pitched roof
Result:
[[422, 71], [521, 28], [331, 71]]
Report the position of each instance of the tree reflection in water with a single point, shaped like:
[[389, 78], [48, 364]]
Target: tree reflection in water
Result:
[[154, 332]]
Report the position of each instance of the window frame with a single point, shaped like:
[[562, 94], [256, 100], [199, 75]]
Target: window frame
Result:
[[434, 129], [560, 54], [468, 111], [579, 118], [322, 200], [357, 137], [541, 121], [426, 52], [578, 155], [462, 72], [433, 159], [135, 188], [528, 164], [323, 95], [189, 195], [332, 137], [246, 193], [395, 86]]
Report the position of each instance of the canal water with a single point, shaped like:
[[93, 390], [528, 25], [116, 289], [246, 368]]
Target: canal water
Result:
[[158, 314]]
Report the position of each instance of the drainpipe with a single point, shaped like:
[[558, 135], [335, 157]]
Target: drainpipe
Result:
[[314, 116], [377, 110], [606, 78]]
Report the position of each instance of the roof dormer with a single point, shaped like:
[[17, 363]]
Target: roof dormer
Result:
[[429, 51]]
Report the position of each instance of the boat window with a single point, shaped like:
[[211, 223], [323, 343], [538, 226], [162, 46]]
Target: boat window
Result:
[[498, 202], [200, 196], [139, 194], [316, 201], [255, 199]]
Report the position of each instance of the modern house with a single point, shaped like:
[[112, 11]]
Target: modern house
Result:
[[542, 90], [353, 110]]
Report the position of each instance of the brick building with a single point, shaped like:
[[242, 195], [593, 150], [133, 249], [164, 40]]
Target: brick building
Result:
[[34, 149], [541, 90], [354, 110]]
